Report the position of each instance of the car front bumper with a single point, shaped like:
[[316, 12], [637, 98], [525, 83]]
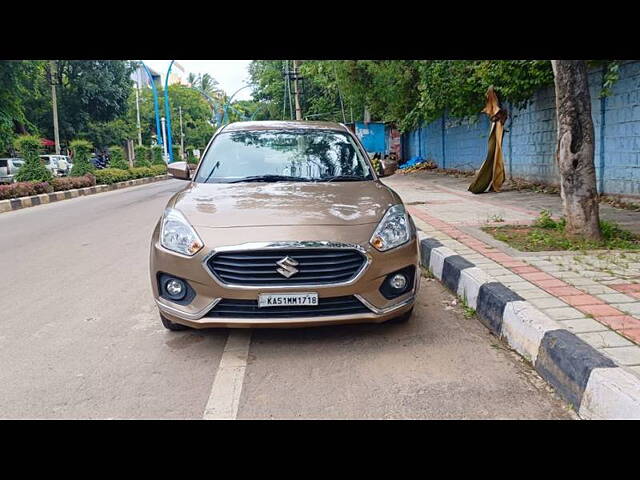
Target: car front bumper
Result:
[[209, 290]]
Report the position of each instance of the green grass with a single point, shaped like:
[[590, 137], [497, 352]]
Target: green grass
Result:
[[549, 234]]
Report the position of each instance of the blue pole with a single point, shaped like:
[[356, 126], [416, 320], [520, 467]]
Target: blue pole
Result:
[[167, 112], [155, 104]]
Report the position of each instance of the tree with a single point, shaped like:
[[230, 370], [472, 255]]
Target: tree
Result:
[[91, 92], [575, 150], [81, 164], [16, 88], [33, 170]]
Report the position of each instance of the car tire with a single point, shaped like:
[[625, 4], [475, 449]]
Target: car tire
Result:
[[401, 318], [174, 327]]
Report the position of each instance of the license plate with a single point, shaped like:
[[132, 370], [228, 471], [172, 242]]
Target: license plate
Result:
[[287, 300]]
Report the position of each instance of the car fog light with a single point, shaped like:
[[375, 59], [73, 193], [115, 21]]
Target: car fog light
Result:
[[176, 289], [398, 281]]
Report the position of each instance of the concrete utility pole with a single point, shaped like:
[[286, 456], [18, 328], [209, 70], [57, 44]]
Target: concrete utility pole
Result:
[[138, 115], [296, 91], [54, 101], [164, 140], [181, 136]]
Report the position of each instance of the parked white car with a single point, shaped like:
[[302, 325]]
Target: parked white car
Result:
[[8, 168], [58, 165]]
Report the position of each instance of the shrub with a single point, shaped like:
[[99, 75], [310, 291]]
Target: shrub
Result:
[[81, 164], [141, 172], [176, 153], [69, 183], [142, 155], [30, 147], [158, 169], [156, 156], [191, 158], [112, 175], [117, 158]]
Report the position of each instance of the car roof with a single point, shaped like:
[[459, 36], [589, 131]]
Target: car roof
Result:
[[283, 125]]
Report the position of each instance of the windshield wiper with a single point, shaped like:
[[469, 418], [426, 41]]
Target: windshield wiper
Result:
[[343, 178], [269, 178]]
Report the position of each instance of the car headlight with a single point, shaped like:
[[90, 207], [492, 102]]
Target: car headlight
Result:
[[177, 235], [393, 230]]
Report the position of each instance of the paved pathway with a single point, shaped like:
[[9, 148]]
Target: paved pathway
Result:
[[594, 294]]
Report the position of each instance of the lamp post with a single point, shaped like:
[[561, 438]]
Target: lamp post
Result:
[[155, 103], [226, 107], [167, 112]]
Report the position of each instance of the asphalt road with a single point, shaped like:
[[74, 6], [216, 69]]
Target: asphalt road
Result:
[[80, 337]]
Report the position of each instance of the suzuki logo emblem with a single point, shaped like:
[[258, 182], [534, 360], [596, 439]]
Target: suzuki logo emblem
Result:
[[287, 267]]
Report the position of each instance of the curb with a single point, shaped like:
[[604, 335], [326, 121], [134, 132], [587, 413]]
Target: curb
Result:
[[591, 382], [35, 200]]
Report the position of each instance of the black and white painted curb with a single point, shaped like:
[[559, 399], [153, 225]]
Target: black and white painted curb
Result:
[[34, 200], [590, 381]]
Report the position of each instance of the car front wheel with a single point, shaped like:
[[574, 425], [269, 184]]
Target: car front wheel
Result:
[[169, 325]]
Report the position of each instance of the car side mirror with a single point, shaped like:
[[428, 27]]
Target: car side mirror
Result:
[[389, 167], [179, 170]]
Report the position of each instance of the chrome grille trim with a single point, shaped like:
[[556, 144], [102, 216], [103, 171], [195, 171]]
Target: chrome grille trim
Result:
[[289, 245]]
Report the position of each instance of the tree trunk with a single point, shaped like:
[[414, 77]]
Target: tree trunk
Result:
[[575, 151]]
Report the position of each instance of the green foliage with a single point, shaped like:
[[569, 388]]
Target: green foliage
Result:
[[33, 170], [17, 78], [156, 156], [191, 158], [196, 114], [142, 154], [108, 176], [117, 159], [103, 134], [176, 153], [549, 234], [406, 92], [81, 153], [544, 220]]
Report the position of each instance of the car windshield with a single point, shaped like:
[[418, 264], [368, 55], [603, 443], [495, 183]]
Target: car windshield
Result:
[[283, 155]]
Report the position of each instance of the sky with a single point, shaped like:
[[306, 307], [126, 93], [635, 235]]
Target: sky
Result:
[[230, 74]]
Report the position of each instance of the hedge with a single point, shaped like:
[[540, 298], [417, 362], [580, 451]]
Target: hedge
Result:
[[27, 189], [115, 175], [105, 176], [116, 159]]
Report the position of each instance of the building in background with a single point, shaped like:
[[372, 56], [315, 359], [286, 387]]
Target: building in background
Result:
[[142, 79], [178, 75]]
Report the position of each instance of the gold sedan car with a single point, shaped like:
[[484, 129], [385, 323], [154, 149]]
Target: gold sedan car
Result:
[[283, 224]]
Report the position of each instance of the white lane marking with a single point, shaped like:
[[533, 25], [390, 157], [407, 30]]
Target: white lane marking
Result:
[[225, 392]]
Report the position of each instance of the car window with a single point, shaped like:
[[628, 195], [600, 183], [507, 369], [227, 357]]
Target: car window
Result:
[[3, 162], [303, 155]]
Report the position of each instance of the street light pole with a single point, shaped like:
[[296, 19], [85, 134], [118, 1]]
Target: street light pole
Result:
[[167, 112], [296, 92], [138, 116], [164, 139], [54, 102], [155, 104], [181, 136]]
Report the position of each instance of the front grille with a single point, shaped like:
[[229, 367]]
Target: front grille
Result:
[[227, 308], [316, 266]]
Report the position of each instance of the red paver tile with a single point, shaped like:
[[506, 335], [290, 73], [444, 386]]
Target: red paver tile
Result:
[[526, 269], [580, 300], [632, 334], [566, 291], [627, 287], [599, 310], [549, 283], [537, 276], [619, 322], [514, 264]]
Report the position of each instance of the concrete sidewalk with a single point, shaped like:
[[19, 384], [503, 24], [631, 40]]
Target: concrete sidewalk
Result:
[[594, 295]]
